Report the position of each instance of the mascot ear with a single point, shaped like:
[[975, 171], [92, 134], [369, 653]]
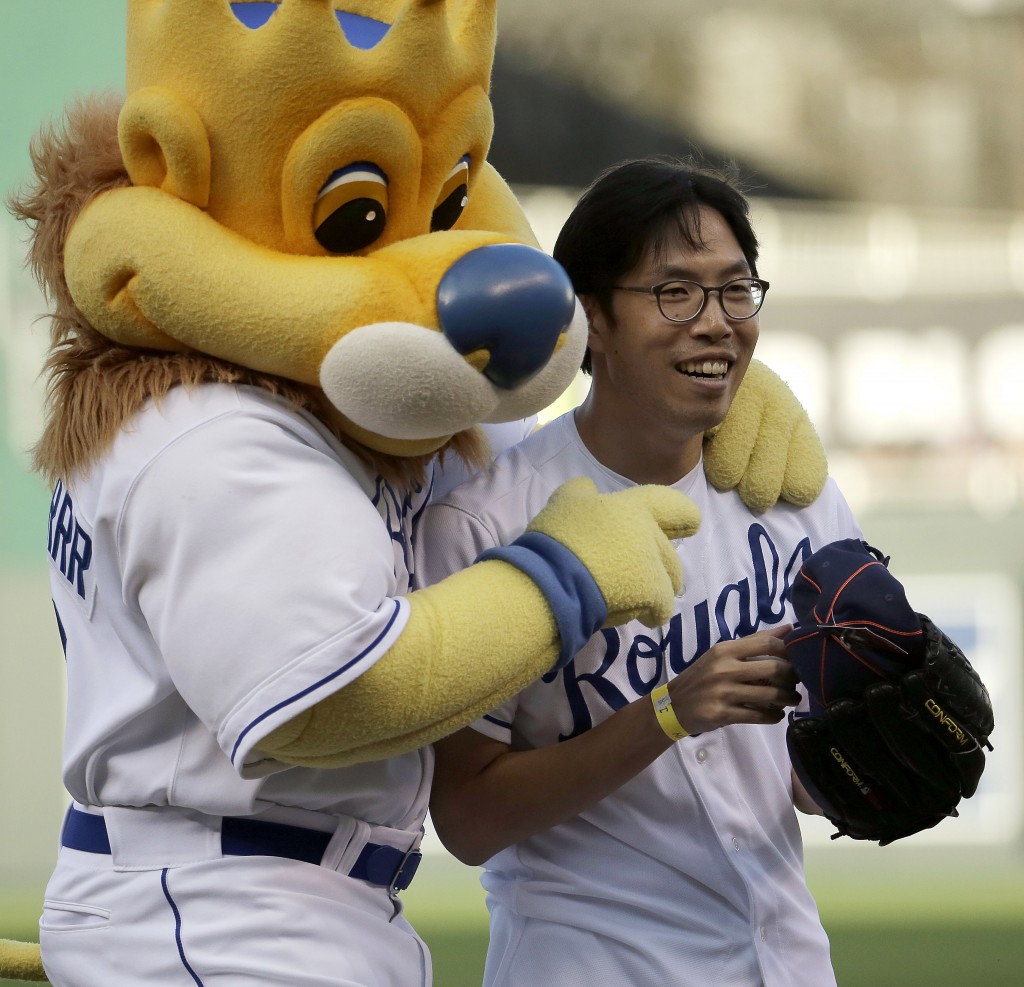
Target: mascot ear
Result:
[[164, 145]]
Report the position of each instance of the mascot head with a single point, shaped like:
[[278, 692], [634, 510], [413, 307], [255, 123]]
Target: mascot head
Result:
[[304, 196]]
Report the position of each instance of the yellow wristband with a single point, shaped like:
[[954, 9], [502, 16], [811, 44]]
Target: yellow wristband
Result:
[[667, 719]]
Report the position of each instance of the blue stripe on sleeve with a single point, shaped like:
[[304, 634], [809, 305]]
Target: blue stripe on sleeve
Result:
[[316, 685]]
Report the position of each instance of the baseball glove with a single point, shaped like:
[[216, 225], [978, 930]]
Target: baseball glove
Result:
[[898, 759]]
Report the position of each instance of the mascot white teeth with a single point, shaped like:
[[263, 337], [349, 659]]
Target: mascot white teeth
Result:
[[287, 288]]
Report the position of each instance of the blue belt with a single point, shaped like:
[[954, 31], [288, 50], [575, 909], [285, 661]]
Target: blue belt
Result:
[[386, 866]]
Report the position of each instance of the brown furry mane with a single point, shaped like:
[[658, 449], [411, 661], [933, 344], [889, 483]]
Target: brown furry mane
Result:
[[95, 385]]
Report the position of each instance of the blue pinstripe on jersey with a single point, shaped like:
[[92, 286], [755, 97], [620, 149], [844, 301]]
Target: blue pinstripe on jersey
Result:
[[177, 929]]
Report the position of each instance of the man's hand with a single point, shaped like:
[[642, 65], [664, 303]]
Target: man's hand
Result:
[[748, 680]]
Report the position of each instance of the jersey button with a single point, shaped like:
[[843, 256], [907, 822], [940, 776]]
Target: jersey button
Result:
[[764, 933], [735, 843], [702, 756]]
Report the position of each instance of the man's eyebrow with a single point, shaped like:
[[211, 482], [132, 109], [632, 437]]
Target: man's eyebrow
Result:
[[667, 272]]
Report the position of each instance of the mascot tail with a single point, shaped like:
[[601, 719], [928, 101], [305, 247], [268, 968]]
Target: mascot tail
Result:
[[20, 961]]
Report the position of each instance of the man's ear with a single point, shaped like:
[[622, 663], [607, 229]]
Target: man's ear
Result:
[[597, 323], [164, 145]]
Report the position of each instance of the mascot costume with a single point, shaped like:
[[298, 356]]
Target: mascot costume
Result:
[[288, 291]]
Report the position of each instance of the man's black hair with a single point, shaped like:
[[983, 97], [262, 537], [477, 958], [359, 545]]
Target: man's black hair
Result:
[[636, 205]]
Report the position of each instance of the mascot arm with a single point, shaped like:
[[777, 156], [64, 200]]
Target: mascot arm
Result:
[[452, 663], [480, 636], [766, 446]]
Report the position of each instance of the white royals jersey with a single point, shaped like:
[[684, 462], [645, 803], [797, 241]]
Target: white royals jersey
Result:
[[224, 566], [692, 872]]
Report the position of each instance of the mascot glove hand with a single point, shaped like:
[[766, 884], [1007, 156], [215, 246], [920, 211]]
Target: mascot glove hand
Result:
[[766, 446], [623, 539]]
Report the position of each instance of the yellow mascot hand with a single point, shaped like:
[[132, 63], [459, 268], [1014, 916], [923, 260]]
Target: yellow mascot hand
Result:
[[766, 446], [588, 559], [623, 540]]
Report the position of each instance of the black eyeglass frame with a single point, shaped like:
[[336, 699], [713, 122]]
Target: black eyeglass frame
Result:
[[657, 289]]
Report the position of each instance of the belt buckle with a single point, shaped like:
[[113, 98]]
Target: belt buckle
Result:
[[405, 871]]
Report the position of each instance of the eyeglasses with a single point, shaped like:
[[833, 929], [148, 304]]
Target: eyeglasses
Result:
[[683, 301]]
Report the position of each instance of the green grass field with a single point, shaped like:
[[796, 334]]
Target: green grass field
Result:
[[927, 923]]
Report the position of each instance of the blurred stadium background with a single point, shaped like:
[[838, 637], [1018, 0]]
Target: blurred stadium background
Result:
[[883, 144]]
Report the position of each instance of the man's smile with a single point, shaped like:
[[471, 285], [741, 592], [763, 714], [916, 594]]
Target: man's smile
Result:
[[704, 369]]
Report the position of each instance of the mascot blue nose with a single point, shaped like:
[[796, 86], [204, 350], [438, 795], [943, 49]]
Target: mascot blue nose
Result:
[[509, 299]]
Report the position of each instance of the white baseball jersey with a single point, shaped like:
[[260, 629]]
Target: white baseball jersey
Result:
[[692, 872], [226, 565]]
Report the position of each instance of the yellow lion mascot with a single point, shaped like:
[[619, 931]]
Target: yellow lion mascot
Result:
[[287, 291]]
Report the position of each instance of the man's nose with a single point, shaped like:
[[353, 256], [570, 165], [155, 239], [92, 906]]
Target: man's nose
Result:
[[711, 321]]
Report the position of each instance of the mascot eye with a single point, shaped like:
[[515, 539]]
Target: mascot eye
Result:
[[351, 209], [453, 197]]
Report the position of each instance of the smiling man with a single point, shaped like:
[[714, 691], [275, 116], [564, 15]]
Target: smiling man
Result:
[[634, 811]]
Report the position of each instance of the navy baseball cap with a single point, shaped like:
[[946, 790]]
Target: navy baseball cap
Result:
[[854, 624]]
